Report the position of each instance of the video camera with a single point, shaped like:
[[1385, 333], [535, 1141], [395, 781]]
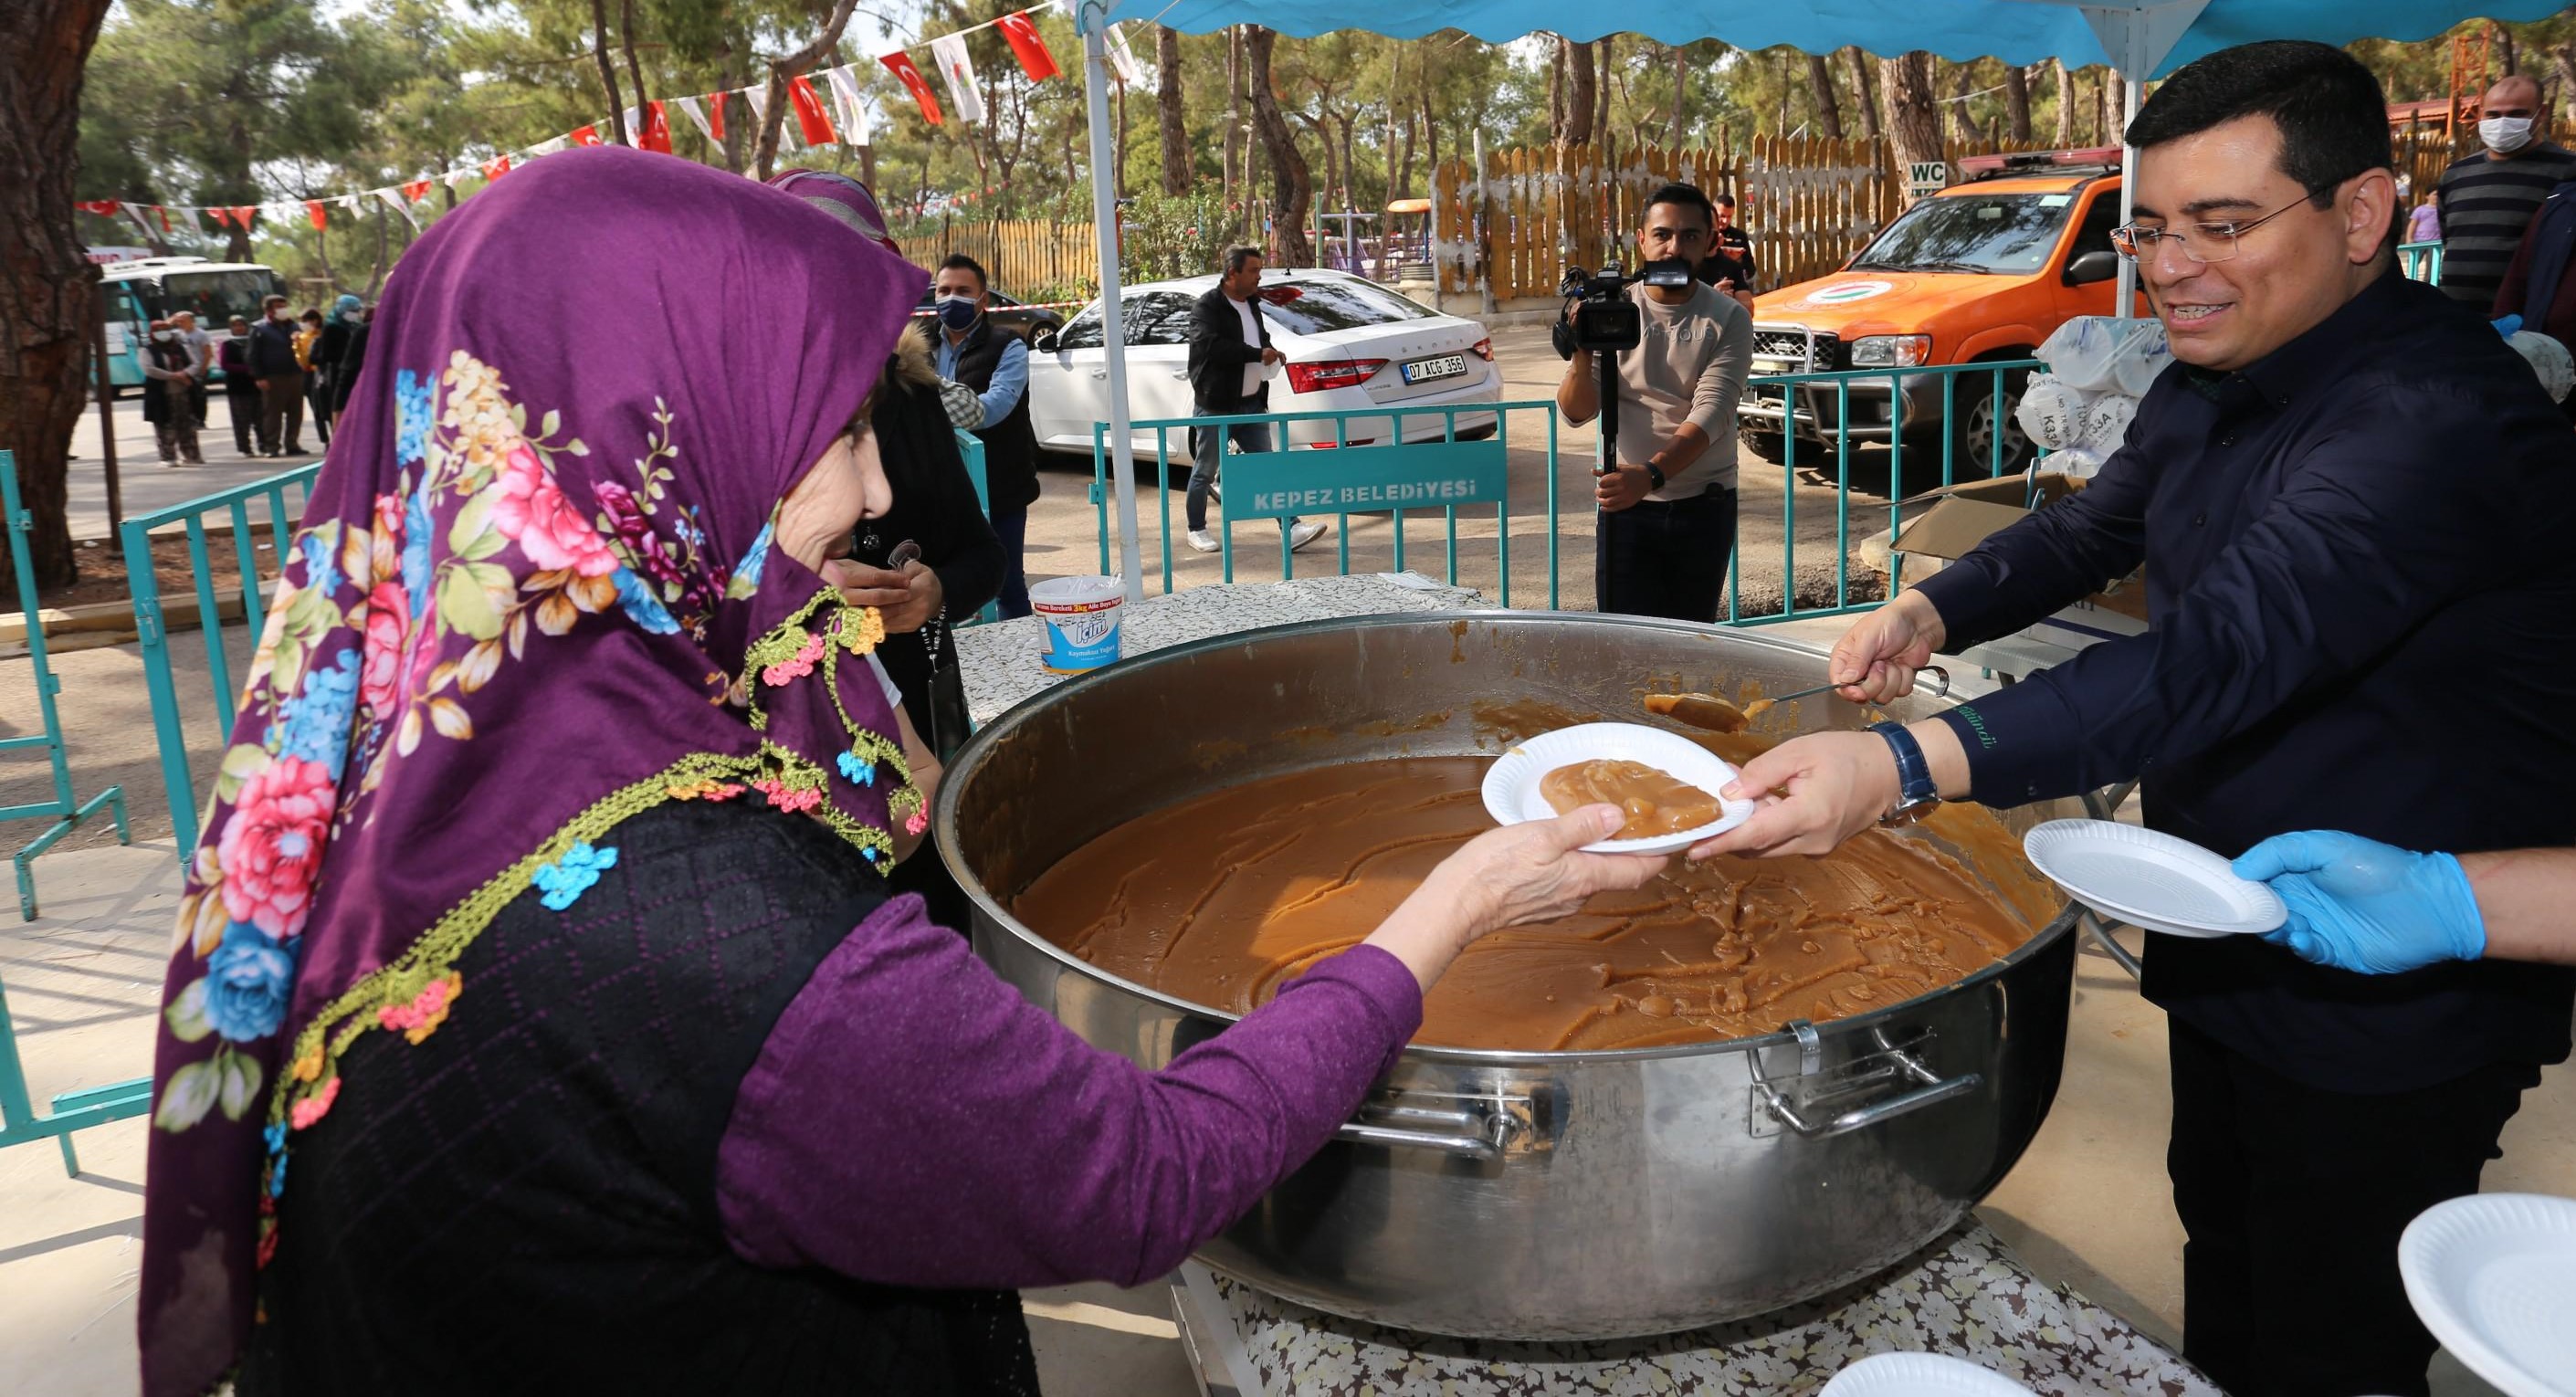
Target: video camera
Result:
[[1606, 322]]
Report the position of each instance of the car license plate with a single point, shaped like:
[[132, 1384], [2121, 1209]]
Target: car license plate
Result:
[[1425, 370]]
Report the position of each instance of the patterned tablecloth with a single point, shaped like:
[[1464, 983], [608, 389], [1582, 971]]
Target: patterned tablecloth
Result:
[[1000, 661], [1966, 1296]]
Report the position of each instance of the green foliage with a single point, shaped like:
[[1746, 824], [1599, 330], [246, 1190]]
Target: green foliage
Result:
[[1171, 236]]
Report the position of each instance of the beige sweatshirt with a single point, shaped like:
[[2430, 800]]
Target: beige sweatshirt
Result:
[[1689, 368]]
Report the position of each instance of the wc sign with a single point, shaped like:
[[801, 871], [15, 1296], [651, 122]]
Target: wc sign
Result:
[[1926, 177]]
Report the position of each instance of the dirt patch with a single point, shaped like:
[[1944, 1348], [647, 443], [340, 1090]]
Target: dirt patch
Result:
[[102, 572]]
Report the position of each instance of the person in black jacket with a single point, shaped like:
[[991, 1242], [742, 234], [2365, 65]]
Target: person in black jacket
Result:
[[1230, 362], [341, 352], [241, 391], [280, 376], [964, 347]]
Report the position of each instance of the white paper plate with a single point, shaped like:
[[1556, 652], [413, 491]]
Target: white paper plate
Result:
[[1511, 783], [2151, 880], [2493, 1276], [1919, 1375]]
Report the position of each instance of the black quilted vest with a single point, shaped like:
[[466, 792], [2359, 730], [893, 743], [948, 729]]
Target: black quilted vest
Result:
[[525, 1200], [1010, 445]]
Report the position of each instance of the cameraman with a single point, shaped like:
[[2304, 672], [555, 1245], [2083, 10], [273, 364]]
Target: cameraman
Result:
[[1667, 521]]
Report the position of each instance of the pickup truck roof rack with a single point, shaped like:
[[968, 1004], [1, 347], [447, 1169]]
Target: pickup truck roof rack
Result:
[[2030, 162]]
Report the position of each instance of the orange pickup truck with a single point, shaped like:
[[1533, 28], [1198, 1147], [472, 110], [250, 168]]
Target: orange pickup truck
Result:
[[1981, 271]]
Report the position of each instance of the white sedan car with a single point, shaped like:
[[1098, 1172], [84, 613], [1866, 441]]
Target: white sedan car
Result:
[[1351, 345]]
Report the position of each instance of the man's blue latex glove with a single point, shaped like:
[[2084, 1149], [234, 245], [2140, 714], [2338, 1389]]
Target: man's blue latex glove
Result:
[[2357, 904], [2505, 325]]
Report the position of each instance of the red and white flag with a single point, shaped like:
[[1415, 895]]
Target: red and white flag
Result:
[[1026, 44], [243, 214], [696, 110], [900, 63], [958, 69], [656, 134], [586, 136], [849, 110], [416, 190], [394, 199], [812, 121], [313, 210], [496, 167]]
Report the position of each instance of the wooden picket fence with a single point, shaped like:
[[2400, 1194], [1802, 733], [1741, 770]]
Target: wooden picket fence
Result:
[[1808, 203], [1023, 256]]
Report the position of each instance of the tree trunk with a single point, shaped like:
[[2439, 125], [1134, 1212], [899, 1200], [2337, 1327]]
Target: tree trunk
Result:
[[47, 305], [1431, 137], [1350, 166], [1681, 87], [1603, 70], [1913, 122], [1122, 138], [1829, 112], [2504, 37], [1556, 94], [1582, 92], [607, 71], [1234, 133], [2562, 61], [1961, 83], [1780, 122], [1864, 97], [634, 69], [2115, 107], [2065, 103], [1403, 188], [376, 277], [2017, 100], [781, 69], [1176, 135], [1292, 182]]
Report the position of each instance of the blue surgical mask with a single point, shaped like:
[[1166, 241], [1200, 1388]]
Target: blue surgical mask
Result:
[[958, 312]]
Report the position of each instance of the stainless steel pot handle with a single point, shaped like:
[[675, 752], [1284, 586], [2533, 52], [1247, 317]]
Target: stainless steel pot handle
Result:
[[1465, 1134], [1934, 1088]]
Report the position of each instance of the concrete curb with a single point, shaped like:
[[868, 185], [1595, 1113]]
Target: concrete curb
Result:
[[93, 624]]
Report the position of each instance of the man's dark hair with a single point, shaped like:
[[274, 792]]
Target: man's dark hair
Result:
[[271, 302], [1235, 257], [1726, 199], [958, 261], [2332, 114], [1685, 196]]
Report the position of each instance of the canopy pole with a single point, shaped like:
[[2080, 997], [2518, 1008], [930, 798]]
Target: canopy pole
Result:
[[2127, 303], [1093, 22]]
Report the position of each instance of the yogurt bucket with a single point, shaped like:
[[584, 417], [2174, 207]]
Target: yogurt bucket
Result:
[[1079, 618]]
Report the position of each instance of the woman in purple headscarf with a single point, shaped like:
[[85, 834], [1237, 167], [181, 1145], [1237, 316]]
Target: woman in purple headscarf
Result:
[[539, 1018]]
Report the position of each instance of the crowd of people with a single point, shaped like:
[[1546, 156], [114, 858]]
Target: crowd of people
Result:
[[274, 374]]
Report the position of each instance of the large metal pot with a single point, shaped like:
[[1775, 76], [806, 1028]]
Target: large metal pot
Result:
[[1539, 1195]]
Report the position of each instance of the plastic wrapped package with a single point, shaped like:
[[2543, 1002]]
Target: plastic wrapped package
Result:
[[2051, 412], [2106, 423], [2548, 358], [2079, 461], [2081, 352], [2143, 357]]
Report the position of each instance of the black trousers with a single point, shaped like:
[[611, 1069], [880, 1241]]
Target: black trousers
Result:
[[1207, 450], [2293, 1198], [1664, 557], [245, 410]]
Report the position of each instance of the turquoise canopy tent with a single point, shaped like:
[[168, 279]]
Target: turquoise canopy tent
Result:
[[2143, 40]]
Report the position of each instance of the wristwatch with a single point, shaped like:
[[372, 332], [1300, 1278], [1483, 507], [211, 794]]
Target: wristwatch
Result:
[[1916, 794], [1654, 476]]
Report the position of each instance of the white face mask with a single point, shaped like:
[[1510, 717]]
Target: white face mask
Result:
[[2504, 134], [281, 317], [163, 336]]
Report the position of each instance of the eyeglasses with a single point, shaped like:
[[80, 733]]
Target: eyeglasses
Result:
[[2206, 242]]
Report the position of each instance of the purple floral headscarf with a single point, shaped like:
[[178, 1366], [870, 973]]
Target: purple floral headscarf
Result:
[[842, 197], [533, 595]]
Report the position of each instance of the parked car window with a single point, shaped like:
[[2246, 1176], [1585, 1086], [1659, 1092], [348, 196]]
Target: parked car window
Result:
[[2099, 220], [1082, 332], [1158, 317], [1313, 305], [2008, 233]]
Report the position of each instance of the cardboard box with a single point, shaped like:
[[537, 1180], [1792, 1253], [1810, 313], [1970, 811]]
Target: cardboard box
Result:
[[1960, 517]]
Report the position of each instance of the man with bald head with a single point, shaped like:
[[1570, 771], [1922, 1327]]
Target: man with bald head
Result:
[[2489, 198]]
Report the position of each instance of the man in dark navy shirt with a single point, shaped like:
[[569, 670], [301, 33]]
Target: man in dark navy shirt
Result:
[[2355, 499]]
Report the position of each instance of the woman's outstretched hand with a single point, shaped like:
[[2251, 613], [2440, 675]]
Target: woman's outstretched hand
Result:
[[1530, 872]]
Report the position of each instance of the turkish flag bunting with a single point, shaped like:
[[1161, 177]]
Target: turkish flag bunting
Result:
[[106, 207], [901, 64], [585, 135], [715, 115], [811, 120], [244, 213], [417, 190], [496, 167], [1031, 50], [313, 210], [656, 135], [165, 218]]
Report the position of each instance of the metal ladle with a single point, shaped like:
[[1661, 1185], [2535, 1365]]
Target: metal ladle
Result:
[[1714, 714]]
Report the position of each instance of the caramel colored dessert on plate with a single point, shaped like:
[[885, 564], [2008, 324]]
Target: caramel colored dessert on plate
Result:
[[1657, 802], [1221, 898]]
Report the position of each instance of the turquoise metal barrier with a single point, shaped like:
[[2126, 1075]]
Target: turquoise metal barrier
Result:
[[971, 448], [136, 536], [66, 810], [2422, 261], [1452, 473], [72, 1110], [1804, 395]]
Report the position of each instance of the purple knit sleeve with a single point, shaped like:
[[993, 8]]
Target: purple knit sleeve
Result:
[[913, 1120]]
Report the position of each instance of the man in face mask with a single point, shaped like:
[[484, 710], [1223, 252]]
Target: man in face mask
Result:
[[2488, 199], [966, 348]]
